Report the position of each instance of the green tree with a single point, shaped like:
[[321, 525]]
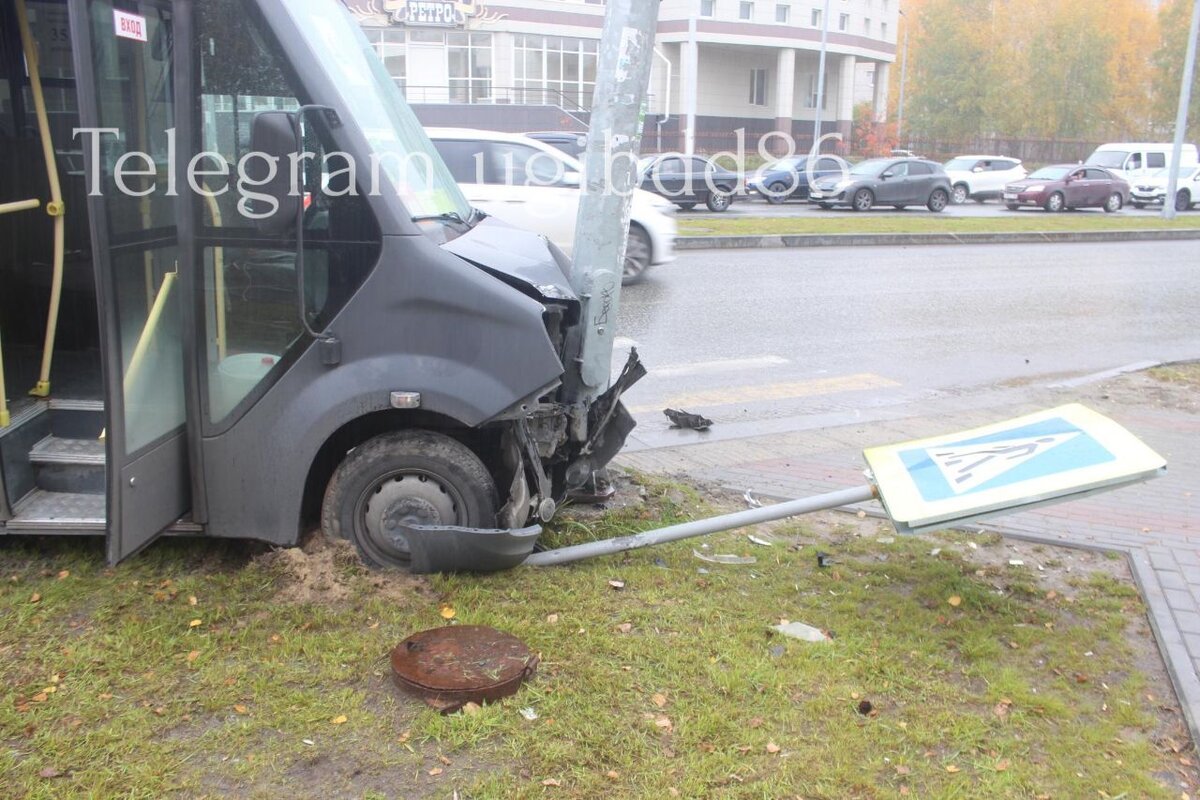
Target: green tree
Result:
[[1069, 72], [1174, 21]]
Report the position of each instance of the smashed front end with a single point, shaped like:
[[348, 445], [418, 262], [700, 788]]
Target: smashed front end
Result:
[[552, 444]]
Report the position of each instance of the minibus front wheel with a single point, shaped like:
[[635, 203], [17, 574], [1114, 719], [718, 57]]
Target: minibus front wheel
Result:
[[412, 477]]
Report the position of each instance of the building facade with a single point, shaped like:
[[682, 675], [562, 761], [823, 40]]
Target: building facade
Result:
[[720, 65]]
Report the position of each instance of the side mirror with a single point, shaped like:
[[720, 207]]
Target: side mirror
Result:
[[977, 169], [273, 134], [887, 175], [571, 179]]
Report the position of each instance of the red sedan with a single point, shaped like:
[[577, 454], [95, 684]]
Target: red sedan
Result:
[[1067, 186]]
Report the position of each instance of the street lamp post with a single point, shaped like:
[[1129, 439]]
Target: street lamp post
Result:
[[821, 80], [903, 80], [1185, 94]]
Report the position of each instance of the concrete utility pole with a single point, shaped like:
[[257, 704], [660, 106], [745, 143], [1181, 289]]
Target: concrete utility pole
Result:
[[1185, 97], [610, 176], [821, 79]]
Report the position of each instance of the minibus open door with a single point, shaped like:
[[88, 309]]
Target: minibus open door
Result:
[[126, 80]]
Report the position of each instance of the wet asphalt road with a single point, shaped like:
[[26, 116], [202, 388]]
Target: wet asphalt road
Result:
[[783, 339]]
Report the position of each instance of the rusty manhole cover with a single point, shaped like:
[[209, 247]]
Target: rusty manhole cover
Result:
[[452, 666]]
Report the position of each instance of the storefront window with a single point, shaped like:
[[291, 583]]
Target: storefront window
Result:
[[555, 70], [469, 66], [389, 44]]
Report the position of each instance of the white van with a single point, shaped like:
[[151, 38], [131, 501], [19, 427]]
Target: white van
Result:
[[1139, 158], [532, 185]]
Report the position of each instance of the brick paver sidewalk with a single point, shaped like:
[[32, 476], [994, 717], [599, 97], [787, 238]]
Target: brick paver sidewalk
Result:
[[1156, 524]]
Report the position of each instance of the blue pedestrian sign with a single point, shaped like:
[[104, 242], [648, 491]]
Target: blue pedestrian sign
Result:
[[1052, 455]]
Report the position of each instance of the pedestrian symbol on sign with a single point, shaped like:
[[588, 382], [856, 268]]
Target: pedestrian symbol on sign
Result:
[[964, 468]]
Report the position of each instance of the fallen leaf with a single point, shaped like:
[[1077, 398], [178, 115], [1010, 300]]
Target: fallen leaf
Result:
[[195, 623], [904, 791], [902, 770], [436, 771], [448, 612], [552, 782], [955, 601], [773, 748], [552, 618], [104, 696], [1001, 708], [617, 584], [471, 709], [192, 656], [1050, 595], [625, 627], [952, 769], [40, 697], [756, 722], [445, 760], [659, 700], [404, 737], [241, 709], [662, 721], [35, 598], [49, 772], [66, 573], [612, 774], [192, 600], [340, 719], [1003, 764]]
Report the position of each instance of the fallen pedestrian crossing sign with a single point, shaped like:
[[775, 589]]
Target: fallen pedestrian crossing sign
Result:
[[1050, 456]]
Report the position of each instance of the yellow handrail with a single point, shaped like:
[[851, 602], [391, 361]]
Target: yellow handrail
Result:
[[19, 205], [55, 207], [214, 211], [4, 417], [147, 335]]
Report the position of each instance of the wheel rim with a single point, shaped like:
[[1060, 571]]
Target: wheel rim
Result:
[[1055, 202], [960, 194], [404, 497], [1114, 202], [862, 200], [637, 256], [719, 201], [776, 193], [937, 201]]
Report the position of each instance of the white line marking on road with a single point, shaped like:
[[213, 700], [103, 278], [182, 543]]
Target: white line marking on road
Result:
[[766, 392], [719, 365]]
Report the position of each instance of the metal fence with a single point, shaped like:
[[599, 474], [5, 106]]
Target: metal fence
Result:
[[1031, 151]]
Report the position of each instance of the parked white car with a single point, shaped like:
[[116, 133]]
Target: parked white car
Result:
[[1151, 189], [533, 185], [981, 178]]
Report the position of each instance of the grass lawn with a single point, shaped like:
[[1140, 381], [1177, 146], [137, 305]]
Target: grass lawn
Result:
[[920, 222], [218, 669]]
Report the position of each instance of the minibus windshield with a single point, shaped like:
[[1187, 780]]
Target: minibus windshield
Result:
[[403, 153]]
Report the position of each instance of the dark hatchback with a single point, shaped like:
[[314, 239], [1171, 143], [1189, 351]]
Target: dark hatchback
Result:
[[788, 178], [1066, 186], [897, 182], [689, 180]]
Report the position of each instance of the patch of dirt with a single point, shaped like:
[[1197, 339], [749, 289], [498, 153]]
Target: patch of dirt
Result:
[[324, 570], [1174, 387]]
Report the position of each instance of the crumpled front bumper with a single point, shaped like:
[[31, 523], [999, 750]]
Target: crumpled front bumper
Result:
[[448, 548]]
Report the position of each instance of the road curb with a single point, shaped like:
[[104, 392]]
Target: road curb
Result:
[[735, 242]]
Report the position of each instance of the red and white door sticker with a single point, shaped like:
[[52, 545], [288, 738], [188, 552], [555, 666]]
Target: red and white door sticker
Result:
[[129, 26]]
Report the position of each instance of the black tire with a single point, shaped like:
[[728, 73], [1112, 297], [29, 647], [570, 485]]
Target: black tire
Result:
[[960, 194], [637, 255], [686, 206], [718, 200], [863, 200], [1136, 204], [899, 206], [1055, 203], [1113, 203], [777, 193], [826, 206], [938, 199], [413, 476], [1011, 206], [1183, 200]]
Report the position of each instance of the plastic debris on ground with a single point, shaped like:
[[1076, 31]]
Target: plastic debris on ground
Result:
[[760, 541], [724, 558], [798, 630], [529, 714], [751, 500], [683, 419]]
